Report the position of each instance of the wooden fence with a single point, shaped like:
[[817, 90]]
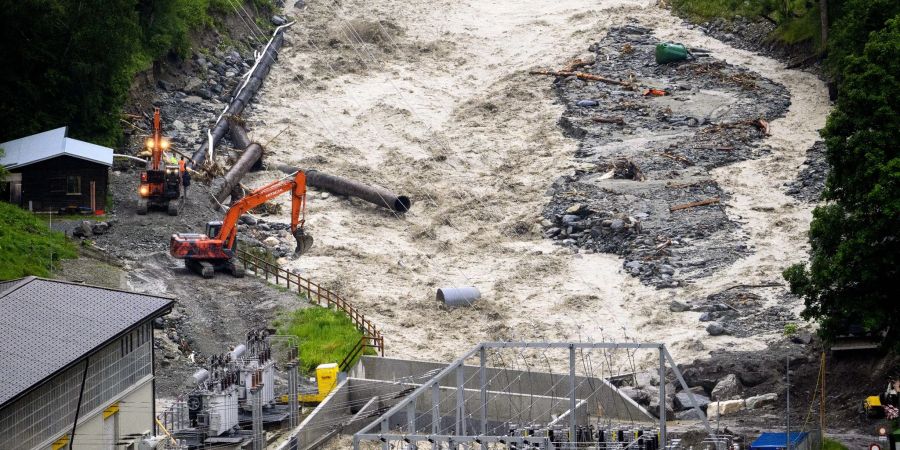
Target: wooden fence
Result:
[[315, 293]]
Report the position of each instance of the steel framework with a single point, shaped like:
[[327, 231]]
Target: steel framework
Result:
[[380, 431]]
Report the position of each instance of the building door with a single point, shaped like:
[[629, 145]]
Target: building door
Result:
[[12, 187]]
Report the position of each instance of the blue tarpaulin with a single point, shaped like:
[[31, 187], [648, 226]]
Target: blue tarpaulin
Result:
[[778, 440]]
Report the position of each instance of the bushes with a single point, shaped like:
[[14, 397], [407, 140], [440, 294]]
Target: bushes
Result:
[[27, 246]]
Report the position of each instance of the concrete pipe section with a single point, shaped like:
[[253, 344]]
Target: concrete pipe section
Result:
[[460, 296]]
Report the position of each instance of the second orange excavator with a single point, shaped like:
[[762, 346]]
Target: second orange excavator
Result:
[[216, 250]]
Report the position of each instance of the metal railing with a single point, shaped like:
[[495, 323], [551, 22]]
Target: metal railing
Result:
[[315, 293], [357, 351]]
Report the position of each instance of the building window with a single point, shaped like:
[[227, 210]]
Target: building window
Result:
[[73, 185]]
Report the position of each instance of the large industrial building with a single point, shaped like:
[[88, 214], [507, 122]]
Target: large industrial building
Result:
[[82, 375]]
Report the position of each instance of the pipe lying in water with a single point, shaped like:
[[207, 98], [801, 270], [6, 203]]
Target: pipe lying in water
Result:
[[461, 296], [344, 186]]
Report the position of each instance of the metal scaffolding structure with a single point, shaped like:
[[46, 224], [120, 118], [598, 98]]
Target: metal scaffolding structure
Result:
[[400, 423]]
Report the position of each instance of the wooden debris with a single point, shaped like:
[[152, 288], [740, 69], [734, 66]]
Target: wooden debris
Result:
[[678, 158], [575, 64], [615, 120], [582, 76], [709, 201], [749, 286], [761, 124]]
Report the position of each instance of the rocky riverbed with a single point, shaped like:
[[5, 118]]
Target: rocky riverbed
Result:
[[643, 160]]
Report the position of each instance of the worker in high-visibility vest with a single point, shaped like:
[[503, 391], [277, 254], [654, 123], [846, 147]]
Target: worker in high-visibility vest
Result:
[[185, 176]]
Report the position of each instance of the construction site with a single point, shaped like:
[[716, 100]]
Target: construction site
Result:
[[547, 226]]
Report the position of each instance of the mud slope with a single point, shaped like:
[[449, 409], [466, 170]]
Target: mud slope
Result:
[[433, 99]]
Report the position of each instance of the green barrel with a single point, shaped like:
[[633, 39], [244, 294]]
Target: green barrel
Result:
[[669, 52]]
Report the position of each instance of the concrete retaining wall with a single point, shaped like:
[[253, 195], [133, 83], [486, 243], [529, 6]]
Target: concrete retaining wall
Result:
[[604, 399]]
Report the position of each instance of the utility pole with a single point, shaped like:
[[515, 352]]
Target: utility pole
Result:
[[292, 393], [787, 373], [258, 432]]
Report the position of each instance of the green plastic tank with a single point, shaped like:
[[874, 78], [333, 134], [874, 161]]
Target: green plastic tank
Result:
[[668, 52]]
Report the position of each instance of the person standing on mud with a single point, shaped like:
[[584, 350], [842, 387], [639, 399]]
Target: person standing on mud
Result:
[[185, 177]]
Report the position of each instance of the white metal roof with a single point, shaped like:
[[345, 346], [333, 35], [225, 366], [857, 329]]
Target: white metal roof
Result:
[[50, 144]]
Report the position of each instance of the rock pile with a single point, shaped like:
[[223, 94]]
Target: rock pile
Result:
[[643, 160], [88, 229]]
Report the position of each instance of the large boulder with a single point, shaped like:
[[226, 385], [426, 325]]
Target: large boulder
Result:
[[638, 395], [724, 408], [683, 401], [644, 379], [100, 228], [689, 414], [759, 401], [727, 388]]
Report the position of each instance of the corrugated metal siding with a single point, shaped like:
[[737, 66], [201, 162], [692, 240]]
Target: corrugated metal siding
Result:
[[47, 325], [48, 412]]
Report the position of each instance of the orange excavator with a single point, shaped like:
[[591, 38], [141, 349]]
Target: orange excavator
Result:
[[160, 184], [216, 250]]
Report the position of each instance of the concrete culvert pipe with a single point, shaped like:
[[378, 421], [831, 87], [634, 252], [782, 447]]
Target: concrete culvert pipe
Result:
[[459, 296]]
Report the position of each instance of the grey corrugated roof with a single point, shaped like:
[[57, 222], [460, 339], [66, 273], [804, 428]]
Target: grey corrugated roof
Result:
[[49, 144], [47, 325]]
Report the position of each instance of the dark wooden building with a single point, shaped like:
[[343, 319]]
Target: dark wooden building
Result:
[[49, 172]]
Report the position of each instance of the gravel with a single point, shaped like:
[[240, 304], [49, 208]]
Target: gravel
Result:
[[648, 154]]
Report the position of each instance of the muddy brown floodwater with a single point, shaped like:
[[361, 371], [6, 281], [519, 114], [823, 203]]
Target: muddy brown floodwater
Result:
[[432, 99]]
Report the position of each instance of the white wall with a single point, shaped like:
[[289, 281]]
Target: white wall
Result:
[[135, 416]]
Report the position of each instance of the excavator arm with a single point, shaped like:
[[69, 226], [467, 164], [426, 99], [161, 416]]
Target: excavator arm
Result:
[[297, 187]]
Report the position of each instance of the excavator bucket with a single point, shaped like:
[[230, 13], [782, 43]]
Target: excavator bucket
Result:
[[304, 242]]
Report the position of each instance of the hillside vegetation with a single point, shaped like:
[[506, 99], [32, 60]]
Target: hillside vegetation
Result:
[[27, 245], [72, 63]]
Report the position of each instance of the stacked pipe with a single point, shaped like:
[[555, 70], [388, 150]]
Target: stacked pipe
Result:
[[244, 94]]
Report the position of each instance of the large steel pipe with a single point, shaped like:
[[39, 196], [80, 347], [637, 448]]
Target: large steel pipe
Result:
[[458, 296], [232, 178], [244, 94], [372, 194]]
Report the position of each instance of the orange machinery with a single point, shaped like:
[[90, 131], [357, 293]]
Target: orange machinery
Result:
[[215, 250], [160, 184]]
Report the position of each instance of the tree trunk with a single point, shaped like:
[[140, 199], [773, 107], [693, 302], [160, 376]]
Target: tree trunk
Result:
[[823, 17]]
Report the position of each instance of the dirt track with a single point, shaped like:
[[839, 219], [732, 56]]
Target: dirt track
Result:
[[432, 98]]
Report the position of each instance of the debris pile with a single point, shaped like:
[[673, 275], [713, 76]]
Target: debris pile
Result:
[[641, 186]]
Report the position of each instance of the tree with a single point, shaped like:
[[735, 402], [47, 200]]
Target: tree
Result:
[[66, 63], [855, 247]]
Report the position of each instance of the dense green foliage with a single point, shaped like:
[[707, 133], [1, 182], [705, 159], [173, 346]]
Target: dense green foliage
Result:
[[72, 63], [853, 21], [27, 246], [855, 247], [326, 336]]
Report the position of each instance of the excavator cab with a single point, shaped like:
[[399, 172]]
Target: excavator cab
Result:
[[213, 228]]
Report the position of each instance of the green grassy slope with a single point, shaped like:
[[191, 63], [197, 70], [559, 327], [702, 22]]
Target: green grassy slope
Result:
[[27, 246]]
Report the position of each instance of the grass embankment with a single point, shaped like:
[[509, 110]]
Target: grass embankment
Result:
[[833, 445], [27, 246], [326, 336]]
